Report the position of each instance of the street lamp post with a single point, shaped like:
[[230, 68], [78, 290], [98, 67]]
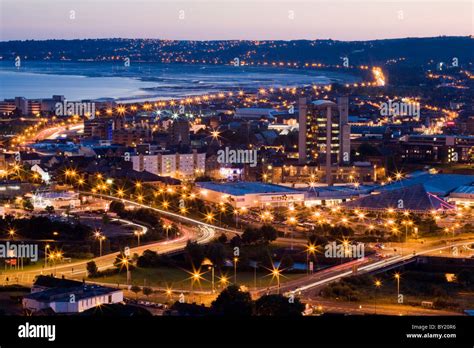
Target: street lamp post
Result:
[[236, 213], [101, 239], [311, 249], [167, 228], [125, 262], [397, 277], [236, 259], [276, 273], [378, 283], [213, 287], [292, 221], [46, 247], [137, 233]]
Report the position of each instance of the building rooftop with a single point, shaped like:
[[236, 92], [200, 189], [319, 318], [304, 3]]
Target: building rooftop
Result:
[[413, 198], [242, 188], [63, 294], [322, 102], [439, 184], [465, 190], [52, 282]]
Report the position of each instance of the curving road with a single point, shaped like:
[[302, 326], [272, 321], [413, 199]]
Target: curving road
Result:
[[365, 265], [78, 269]]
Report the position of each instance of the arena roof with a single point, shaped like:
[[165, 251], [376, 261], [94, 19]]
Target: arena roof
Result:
[[439, 184], [412, 198], [243, 188]]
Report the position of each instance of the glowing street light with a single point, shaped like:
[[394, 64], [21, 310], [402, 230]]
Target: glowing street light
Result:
[[397, 277], [276, 273], [236, 259], [224, 281], [209, 217], [100, 238], [138, 234], [167, 228], [377, 284], [46, 247], [124, 262], [310, 250]]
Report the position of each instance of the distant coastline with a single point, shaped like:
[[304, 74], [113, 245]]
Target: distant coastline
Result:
[[146, 81]]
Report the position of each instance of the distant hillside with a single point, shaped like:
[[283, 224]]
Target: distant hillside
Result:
[[416, 51]]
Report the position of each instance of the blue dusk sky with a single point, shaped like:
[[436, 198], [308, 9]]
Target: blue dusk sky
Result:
[[234, 19]]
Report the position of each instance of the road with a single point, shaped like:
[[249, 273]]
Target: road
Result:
[[56, 131], [351, 308], [78, 269], [313, 283], [186, 219], [169, 214]]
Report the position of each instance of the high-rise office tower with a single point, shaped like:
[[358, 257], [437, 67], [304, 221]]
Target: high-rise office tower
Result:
[[345, 131], [324, 133]]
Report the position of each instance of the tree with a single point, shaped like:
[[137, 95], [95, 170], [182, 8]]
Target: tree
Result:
[[250, 236], [49, 209], [105, 219], [216, 253], [286, 261], [194, 253], [236, 241], [465, 276], [136, 289], [117, 207], [278, 305], [91, 269], [233, 302], [222, 238], [149, 258], [27, 205], [147, 291], [269, 233], [262, 235], [120, 264]]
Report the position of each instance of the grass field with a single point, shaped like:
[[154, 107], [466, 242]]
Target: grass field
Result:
[[176, 278]]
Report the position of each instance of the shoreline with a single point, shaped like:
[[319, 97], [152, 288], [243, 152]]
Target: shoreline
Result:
[[161, 81]]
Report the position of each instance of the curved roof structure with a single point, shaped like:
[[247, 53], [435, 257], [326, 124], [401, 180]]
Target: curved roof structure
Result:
[[413, 198]]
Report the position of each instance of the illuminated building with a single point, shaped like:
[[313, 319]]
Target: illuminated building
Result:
[[324, 133]]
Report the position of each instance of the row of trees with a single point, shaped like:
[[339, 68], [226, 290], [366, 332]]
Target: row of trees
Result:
[[147, 216], [257, 239], [41, 227], [233, 302]]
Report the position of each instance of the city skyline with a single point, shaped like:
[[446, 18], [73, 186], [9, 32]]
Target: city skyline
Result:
[[210, 20], [184, 162]]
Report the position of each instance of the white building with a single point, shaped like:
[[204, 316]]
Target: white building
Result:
[[42, 173], [249, 194], [462, 196], [58, 200], [173, 165], [71, 300]]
